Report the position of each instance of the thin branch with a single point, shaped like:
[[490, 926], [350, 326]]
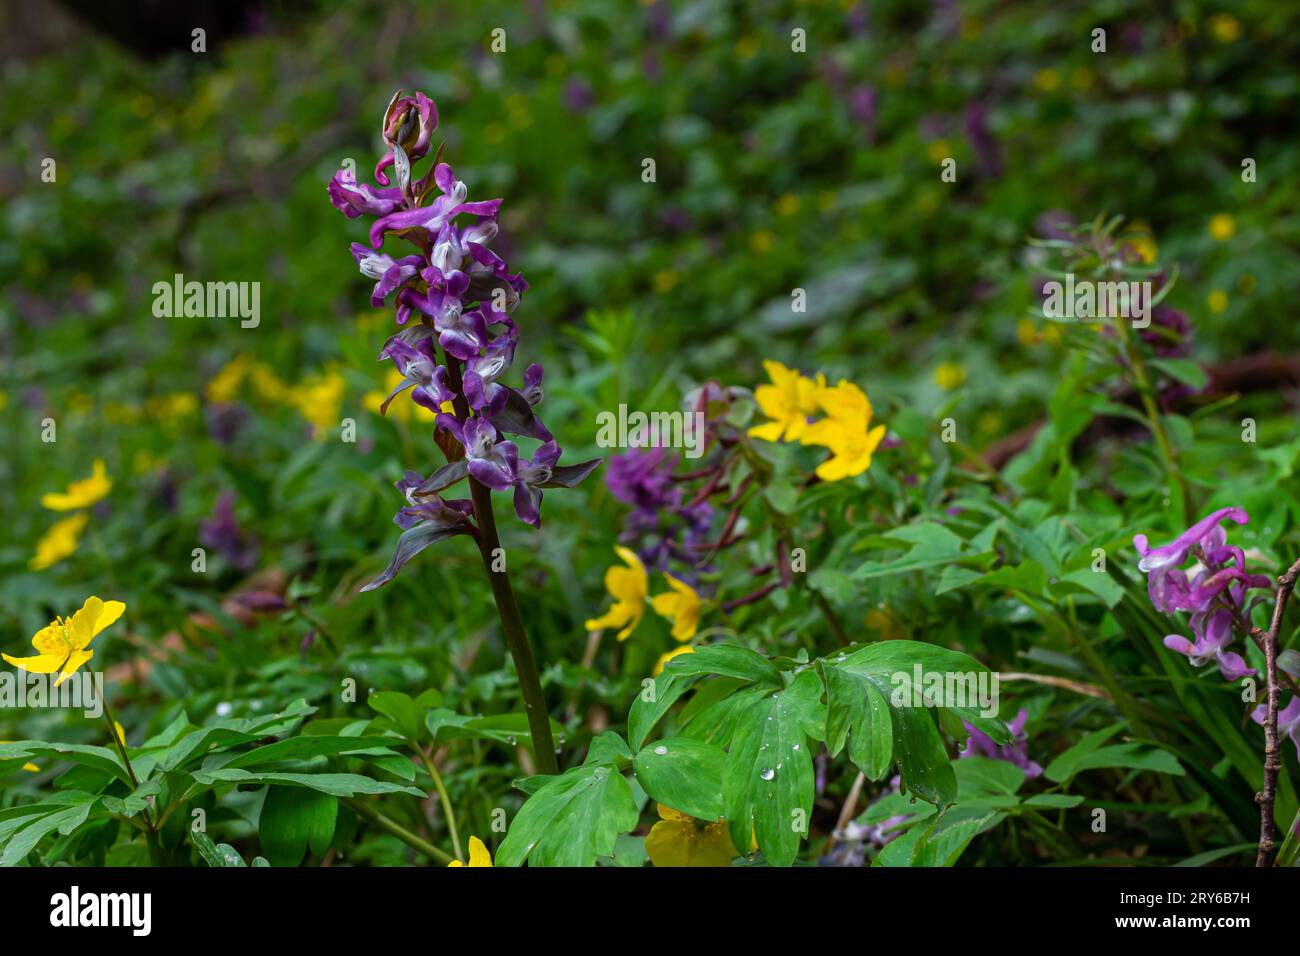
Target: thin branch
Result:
[[1272, 753]]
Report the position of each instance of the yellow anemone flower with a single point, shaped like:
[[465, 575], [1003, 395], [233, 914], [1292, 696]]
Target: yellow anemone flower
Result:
[[845, 404], [844, 431], [681, 605], [62, 643], [478, 854], [665, 658], [59, 542], [788, 402], [851, 450], [628, 587], [80, 494], [680, 840]]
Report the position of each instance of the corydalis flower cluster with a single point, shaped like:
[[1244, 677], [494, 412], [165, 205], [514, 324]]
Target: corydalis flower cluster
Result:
[[454, 357], [1214, 593]]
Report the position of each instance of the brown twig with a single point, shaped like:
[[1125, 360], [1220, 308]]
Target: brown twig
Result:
[[1272, 754]]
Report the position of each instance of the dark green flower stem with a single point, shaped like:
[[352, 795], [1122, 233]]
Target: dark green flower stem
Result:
[[151, 834], [512, 624]]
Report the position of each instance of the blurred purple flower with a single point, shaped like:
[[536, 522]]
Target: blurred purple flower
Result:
[[222, 533], [980, 744]]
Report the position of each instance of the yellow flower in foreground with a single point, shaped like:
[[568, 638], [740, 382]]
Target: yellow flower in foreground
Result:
[[59, 542], [1223, 227], [679, 840], [1217, 300], [665, 658], [681, 605], [29, 767], [81, 494], [949, 375], [120, 731], [629, 588], [788, 401], [478, 854], [62, 643]]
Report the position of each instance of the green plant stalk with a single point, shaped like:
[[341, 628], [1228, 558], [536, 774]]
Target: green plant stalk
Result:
[[512, 624], [151, 833], [1143, 383], [445, 800], [397, 830]]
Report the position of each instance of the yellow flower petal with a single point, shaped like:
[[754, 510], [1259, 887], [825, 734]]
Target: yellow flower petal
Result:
[[479, 854], [44, 664], [82, 493], [59, 542], [629, 588]]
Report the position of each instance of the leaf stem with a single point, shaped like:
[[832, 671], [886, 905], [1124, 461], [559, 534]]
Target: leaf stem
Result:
[[446, 803], [397, 830]]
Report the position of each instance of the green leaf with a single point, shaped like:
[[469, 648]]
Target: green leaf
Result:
[[1092, 753], [337, 784], [931, 542], [855, 706], [727, 660], [400, 709], [1183, 370], [509, 729], [291, 821], [303, 748], [571, 819], [85, 755], [216, 855], [980, 776], [907, 675], [768, 776], [683, 774], [1093, 582], [609, 748], [22, 840]]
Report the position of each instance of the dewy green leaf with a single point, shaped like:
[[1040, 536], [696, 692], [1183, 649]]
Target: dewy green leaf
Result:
[[768, 777], [571, 820], [683, 774], [904, 675], [857, 710]]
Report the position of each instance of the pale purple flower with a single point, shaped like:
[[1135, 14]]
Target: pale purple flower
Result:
[[982, 745]]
